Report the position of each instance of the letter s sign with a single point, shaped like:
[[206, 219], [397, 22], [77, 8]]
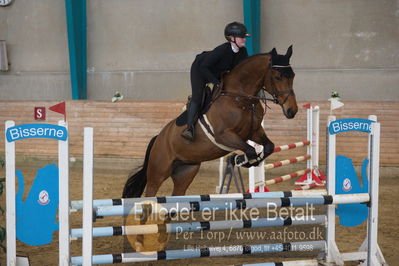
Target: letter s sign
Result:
[[40, 113]]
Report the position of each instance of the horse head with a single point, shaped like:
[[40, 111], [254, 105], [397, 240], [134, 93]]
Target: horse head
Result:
[[278, 82]]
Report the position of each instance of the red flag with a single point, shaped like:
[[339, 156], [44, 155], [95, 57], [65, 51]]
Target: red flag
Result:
[[59, 108]]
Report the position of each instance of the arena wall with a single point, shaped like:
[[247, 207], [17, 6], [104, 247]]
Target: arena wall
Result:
[[144, 48], [123, 129]]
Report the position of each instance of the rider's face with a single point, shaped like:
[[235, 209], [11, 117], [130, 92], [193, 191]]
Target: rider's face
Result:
[[240, 41]]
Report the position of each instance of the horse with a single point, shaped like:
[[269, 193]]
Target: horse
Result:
[[233, 118]]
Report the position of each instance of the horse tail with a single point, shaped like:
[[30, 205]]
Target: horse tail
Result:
[[136, 182]]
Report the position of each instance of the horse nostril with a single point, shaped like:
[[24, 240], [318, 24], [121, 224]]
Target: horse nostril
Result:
[[290, 113]]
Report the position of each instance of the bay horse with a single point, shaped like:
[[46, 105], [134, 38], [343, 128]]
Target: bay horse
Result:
[[235, 116]]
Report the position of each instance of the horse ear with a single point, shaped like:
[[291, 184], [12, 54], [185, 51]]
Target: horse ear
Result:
[[273, 51], [289, 52]]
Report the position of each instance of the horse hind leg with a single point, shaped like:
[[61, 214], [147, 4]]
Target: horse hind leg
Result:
[[158, 171], [182, 176]]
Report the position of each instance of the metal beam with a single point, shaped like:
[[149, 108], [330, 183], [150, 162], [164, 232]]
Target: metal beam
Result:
[[252, 22], [76, 24]]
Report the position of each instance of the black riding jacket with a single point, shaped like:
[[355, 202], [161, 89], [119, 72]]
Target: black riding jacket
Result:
[[212, 64]]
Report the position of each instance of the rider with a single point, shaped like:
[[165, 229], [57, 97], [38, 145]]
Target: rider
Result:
[[208, 67]]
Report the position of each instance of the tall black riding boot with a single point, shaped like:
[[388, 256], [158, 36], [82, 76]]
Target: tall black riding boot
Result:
[[188, 133]]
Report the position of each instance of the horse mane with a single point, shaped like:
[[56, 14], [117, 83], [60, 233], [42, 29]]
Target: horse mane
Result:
[[241, 65], [248, 59]]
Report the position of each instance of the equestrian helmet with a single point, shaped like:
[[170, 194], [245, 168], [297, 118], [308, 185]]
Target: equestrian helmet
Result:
[[236, 29]]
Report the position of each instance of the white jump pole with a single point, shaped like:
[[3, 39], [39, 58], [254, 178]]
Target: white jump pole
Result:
[[315, 136], [309, 148], [63, 207], [373, 191], [10, 199], [87, 242], [313, 121], [333, 254], [372, 118]]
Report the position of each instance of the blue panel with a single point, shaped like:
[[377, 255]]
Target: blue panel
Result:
[[36, 216], [77, 41], [347, 182], [252, 22]]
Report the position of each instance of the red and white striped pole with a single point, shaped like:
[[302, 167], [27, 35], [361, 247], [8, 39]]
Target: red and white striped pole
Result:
[[283, 178], [291, 146], [288, 161]]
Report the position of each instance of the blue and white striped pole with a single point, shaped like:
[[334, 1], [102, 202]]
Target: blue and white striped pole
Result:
[[78, 205], [270, 203], [200, 226]]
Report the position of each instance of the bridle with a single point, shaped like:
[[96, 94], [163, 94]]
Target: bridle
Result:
[[276, 93], [249, 102]]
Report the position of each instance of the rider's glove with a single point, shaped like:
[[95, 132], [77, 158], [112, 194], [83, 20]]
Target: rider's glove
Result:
[[213, 86]]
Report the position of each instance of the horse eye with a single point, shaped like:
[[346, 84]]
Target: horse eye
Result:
[[277, 78]]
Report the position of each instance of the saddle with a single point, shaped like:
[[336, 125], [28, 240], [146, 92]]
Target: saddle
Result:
[[207, 100]]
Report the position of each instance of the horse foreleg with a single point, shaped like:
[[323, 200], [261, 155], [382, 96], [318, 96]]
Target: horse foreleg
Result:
[[182, 177], [260, 137], [232, 140]]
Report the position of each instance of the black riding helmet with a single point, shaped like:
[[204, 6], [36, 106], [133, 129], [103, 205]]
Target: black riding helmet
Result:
[[235, 29]]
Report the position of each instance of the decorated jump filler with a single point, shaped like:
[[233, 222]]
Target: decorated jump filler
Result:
[[36, 214], [347, 181]]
